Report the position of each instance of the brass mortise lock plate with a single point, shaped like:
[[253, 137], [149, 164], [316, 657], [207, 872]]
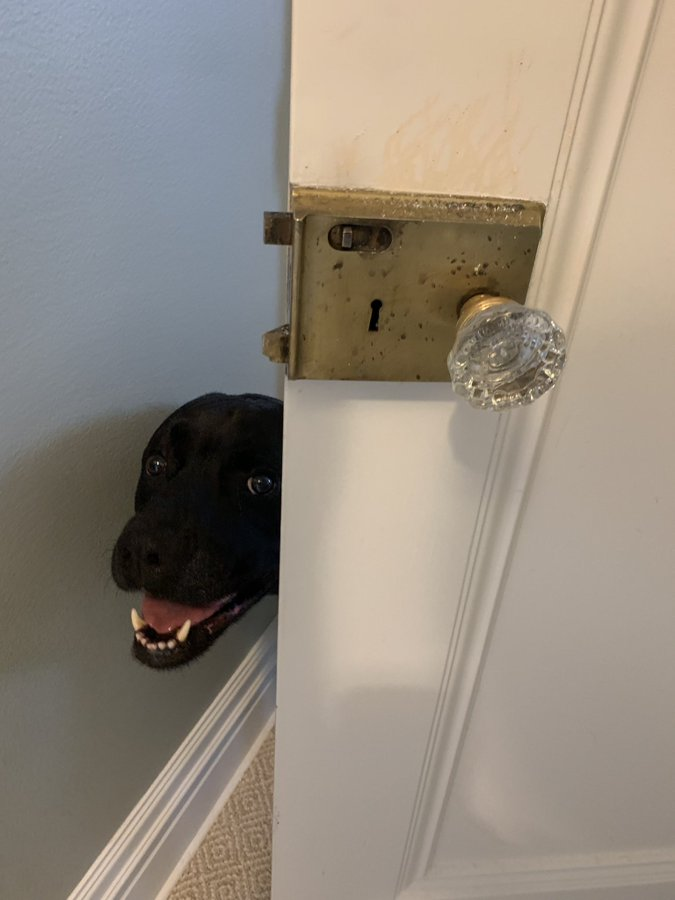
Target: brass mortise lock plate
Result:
[[377, 278]]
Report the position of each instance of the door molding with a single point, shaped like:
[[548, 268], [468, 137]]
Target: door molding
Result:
[[616, 45], [543, 878]]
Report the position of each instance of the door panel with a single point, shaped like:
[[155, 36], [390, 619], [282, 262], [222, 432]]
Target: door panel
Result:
[[419, 545], [571, 740]]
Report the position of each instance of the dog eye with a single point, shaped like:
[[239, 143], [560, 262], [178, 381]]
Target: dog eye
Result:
[[155, 465], [261, 484]]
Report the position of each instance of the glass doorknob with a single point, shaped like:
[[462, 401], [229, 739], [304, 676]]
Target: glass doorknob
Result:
[[505, 354]]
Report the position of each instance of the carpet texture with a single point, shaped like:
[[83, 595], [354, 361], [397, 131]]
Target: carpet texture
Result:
[[234, 861]]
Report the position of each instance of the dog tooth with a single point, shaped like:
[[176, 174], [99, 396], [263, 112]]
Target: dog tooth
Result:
[[183, 631], [142, 638], [151, 646], [161, 645], [170, 644], [137, 622]]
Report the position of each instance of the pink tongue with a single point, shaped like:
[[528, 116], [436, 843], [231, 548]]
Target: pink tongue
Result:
[[165, 615]]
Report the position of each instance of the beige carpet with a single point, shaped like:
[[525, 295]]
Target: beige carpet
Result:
[[234, 861]]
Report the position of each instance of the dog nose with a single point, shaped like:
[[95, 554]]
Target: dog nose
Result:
[[125, 553], [138, 558], [152, 555], [146, 552]]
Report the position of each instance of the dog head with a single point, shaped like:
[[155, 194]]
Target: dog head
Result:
[[203, 545]]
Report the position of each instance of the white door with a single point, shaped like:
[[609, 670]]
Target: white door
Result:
[[477, 624]]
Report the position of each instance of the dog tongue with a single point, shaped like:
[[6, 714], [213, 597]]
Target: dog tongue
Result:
[[165, 615]]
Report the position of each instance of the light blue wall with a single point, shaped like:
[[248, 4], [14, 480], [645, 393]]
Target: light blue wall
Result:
[[139, 145]]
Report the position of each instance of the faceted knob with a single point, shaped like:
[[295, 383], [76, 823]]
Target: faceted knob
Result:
[[505, 354]]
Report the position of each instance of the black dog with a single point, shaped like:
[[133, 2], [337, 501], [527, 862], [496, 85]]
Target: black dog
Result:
[[204, 543]]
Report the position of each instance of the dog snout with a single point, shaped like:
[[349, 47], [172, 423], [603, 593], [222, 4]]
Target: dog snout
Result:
[[139, 558]]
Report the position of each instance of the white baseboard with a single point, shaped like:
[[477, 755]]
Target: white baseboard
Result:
[[144, 858]]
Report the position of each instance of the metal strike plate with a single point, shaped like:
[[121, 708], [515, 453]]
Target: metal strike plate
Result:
[[377, 278]]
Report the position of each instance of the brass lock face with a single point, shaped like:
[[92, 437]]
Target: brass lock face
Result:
[[377, 279]]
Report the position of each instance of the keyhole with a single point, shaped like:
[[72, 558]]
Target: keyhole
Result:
[[376, 306]]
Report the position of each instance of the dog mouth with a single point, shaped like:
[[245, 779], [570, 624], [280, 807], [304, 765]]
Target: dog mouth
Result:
[[169, 634]]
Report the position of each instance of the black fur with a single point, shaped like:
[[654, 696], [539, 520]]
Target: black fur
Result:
[[199, 533]]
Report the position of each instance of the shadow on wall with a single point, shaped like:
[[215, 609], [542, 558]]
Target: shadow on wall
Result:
[[63, 505]]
